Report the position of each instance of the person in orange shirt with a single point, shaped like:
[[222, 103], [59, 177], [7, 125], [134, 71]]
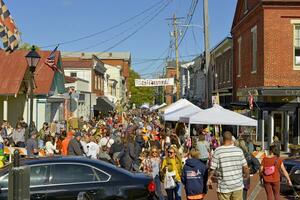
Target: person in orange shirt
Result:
[[65, 143]]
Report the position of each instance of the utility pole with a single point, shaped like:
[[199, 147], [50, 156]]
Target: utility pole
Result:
[[177, 61], [207, 53]]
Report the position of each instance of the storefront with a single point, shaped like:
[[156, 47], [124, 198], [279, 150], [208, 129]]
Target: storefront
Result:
[[277, 110]]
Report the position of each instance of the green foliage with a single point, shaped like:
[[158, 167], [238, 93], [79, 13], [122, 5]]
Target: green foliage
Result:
[[139, 95], [27, 46]]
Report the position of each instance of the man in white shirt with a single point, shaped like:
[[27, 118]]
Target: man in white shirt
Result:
[[92, 148]]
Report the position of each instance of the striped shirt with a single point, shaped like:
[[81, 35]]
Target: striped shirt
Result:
[[228, 161]]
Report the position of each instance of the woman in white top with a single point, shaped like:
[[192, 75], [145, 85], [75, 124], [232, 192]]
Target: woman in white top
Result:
[[92, 148], [50, 146]]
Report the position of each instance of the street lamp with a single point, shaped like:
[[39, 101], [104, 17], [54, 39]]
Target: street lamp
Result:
[[32, 59]]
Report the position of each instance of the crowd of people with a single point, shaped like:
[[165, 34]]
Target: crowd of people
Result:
[[139, 141]]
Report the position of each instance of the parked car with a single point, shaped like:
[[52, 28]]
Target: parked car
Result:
[[81, 178], [292, 166]]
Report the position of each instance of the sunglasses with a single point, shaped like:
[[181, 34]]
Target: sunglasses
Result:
[[170, 152]]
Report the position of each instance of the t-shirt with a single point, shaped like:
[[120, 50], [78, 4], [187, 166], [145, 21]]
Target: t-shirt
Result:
[[268, 162], [228, 161], [30, 146]]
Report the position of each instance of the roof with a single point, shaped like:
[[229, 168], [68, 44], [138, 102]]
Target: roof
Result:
[[100, 55], [77, 64], [70, 79], [13, 67]]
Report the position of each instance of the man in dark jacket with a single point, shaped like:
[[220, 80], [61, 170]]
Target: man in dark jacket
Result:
[[194, 176], [75, 148]]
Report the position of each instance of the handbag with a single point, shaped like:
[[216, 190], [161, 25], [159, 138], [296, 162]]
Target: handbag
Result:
[[270, 170], [169, 182]]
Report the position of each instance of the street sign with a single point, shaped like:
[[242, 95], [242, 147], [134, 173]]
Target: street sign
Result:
[[154, 82]]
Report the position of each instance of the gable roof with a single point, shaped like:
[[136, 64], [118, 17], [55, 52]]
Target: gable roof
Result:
[[100, 55], [240, 13], [68, 64], [13, 67]]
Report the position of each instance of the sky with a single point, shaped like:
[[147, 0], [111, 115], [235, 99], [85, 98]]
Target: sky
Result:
[[146, 35]]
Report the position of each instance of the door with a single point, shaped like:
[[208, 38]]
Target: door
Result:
[[39, 179], [278, 126], [76, 181]]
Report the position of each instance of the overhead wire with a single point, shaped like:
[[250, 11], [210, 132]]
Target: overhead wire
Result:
[[107, 29], [136, 31], [121, 33], [189, 19]]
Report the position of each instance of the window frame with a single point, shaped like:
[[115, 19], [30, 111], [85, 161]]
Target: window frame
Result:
[[295, 22], [59, 184], [76, 183], [239, 68], [254, 50]]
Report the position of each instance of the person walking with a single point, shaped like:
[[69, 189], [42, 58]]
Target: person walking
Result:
[[204, 148], [252, 163], [50, 146], [152, 168], [172, 164], [32, 145], [270, 169], [18, 136], [194, 176], [75, 148], [230, 166]]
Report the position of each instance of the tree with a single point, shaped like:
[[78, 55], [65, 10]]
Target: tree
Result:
[[27, 46], [139, 95]]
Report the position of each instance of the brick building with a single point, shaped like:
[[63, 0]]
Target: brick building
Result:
[[170, 92], [266, 43], [221, 64]]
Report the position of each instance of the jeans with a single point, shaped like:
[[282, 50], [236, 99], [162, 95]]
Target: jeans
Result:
[[245, 194], [158, 188], [176, 191]]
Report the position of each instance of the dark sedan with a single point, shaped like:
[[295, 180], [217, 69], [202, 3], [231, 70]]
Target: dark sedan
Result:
[[292, 166], [81, 178]]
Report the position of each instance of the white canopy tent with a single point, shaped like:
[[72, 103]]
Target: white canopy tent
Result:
[[176, 105], [176, 114], [145, 106], [179, 110], [157, 107], [218, 115]]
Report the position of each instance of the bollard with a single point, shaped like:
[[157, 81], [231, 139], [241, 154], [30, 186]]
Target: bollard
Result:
[[16, 162]]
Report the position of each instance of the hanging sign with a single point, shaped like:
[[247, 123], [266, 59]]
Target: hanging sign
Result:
[[154, 82]]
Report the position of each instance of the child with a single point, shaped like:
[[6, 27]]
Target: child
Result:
[[194, 176]]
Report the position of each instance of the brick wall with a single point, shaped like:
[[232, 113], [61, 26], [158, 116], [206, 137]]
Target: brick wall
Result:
[[170, 72], [278, 46]]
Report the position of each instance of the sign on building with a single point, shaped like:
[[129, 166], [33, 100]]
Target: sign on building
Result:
[[154, 82]]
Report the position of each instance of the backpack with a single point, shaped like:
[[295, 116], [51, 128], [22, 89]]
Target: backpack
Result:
[[253, 163]]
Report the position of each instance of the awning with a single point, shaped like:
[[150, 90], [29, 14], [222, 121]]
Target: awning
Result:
[[103, 104]]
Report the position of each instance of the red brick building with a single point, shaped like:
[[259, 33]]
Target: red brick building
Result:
[[221, 64], [170, 93], [266, 65]]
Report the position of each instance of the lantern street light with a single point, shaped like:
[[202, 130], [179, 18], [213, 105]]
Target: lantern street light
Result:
[[32, 59]]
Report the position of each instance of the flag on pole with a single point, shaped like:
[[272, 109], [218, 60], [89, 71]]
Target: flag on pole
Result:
[[50, 61], [8, 31]]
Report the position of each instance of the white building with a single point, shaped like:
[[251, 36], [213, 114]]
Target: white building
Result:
[[115, 88]]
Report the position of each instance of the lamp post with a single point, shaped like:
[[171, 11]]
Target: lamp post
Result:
[[32, 59]]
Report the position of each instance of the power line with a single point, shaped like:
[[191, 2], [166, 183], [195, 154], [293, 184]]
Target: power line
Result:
[[124, 31], [189, 18], [137, 30], [107, 29]]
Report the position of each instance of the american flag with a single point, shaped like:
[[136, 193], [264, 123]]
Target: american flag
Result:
[[50, 61], [8, 31]]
